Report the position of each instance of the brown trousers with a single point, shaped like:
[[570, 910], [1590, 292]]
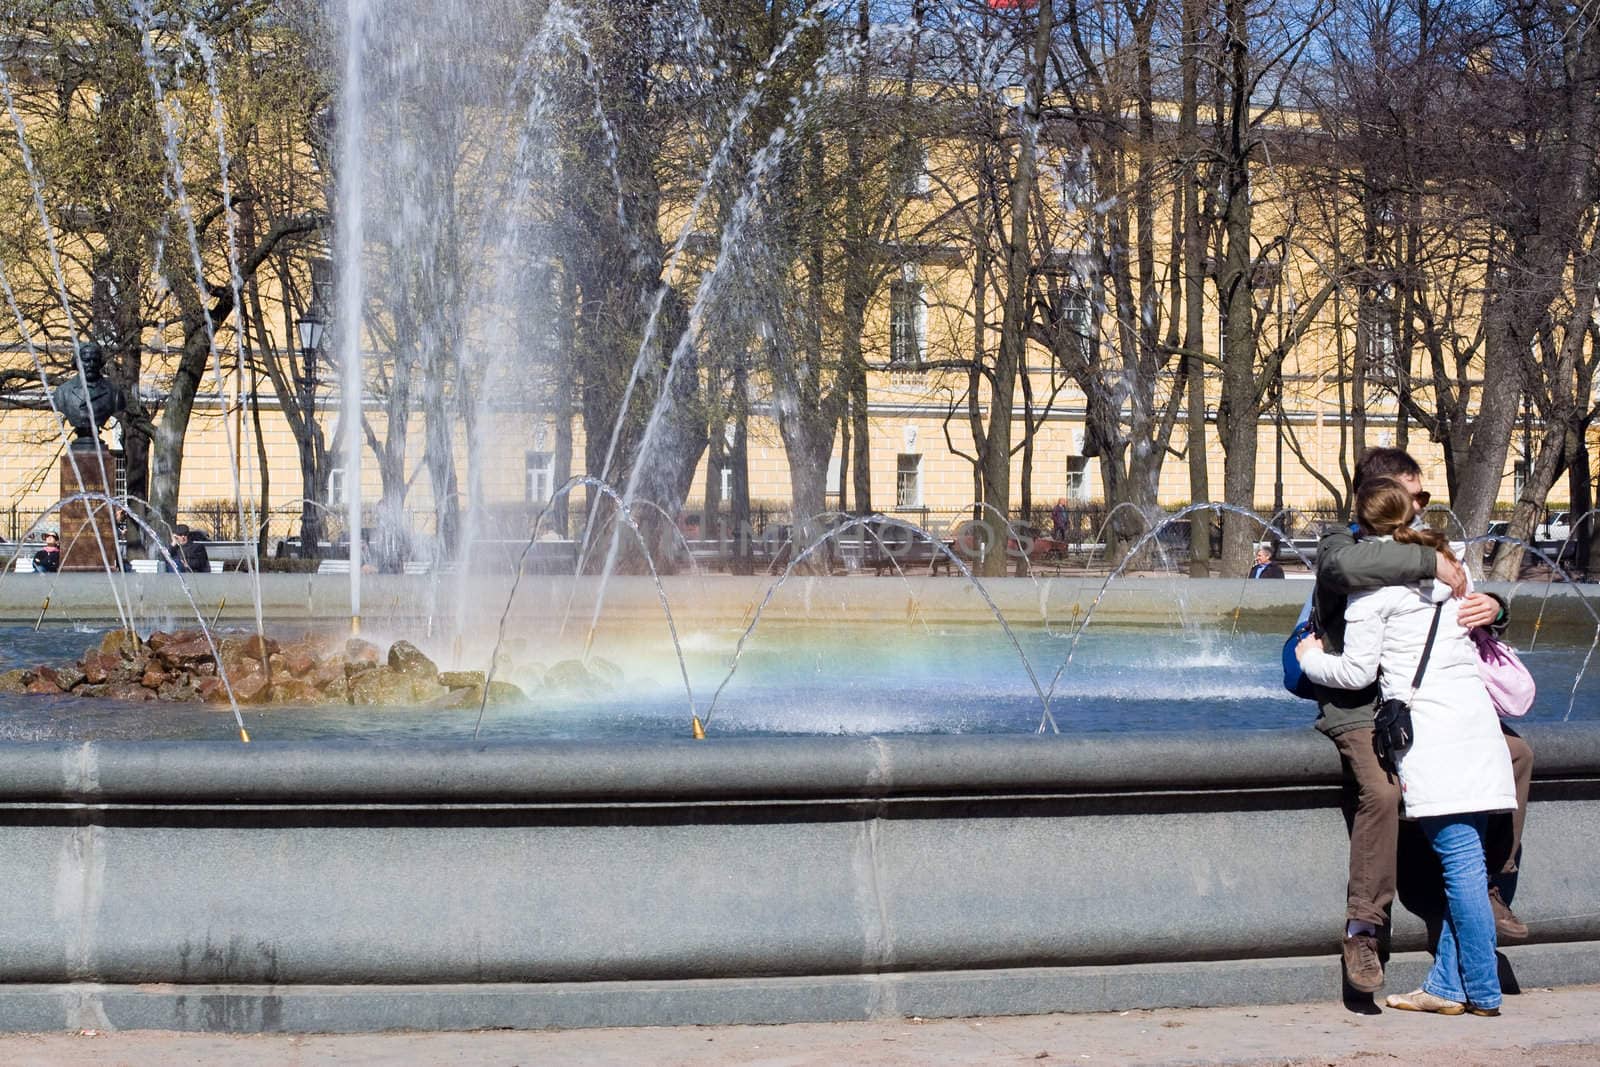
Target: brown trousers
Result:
[[1375, 825]]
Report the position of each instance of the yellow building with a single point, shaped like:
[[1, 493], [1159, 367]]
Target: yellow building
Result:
[[919, 431]]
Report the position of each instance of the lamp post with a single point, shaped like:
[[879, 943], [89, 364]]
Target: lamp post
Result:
[[311, 327]]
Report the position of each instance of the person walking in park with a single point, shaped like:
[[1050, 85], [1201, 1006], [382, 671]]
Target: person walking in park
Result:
[[1409, 639], [1265, 567], [1059, 516], [1347, 565]]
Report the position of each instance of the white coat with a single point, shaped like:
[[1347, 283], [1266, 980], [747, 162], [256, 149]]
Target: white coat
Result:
[[1458, 761]]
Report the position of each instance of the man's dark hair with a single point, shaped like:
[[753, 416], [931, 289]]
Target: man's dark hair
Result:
[[1385, 463]]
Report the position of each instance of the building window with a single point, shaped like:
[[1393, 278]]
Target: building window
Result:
[[336, 491], [907, 319], [1078, 478], [727, 483], [908, 481], [322, 282], [1076, 183], [921, 180], [540, 468], [1075, 321]]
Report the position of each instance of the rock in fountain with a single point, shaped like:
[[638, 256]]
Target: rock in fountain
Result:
[[180, 667]]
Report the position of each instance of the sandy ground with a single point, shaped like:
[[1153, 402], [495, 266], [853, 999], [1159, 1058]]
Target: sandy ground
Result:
[[1559, 1028]]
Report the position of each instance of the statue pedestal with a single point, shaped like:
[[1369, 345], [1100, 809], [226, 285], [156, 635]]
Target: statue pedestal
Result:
[[88, 545]]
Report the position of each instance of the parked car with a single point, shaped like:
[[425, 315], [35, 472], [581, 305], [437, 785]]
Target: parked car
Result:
[[1174, 536], [1557, 528]]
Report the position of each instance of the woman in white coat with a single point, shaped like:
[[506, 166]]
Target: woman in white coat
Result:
[[1457, 770]]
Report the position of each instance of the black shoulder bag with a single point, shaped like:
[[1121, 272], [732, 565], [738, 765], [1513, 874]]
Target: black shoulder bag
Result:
[[1391, 726]]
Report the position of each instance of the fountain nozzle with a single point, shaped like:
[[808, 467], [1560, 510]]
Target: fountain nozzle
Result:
[[698, 728], [355, 626]]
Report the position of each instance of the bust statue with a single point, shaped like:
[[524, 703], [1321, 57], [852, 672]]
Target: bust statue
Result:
[[87, 402]]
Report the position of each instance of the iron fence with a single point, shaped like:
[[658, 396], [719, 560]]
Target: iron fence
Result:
[[1088, 538]]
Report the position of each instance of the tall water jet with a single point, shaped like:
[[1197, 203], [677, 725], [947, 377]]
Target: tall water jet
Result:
[[351, 244]]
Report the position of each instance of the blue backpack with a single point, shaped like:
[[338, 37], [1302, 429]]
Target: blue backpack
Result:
[[1294, 679]]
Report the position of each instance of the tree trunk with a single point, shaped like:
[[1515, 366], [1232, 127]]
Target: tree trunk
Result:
[[167, 455], [391, 452], [565, 372], [1194, 282], [1563, 381], [114, 324], [996, 452], [860, 437], [1524, 284], [438, 454], [1239, 408], [739, 460], [1581, 501], [716, 457]]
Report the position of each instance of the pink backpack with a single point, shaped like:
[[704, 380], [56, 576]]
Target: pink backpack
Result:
[[1510, 685]]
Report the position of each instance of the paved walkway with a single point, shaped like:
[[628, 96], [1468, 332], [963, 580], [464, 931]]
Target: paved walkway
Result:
[[1559, 1028]]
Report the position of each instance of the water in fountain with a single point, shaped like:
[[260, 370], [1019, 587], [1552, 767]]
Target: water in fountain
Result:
[[1133, 552], [955, 561], [897, 673], [661, 593]]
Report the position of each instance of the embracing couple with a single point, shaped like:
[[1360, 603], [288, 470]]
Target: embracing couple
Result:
[[1392, 610]]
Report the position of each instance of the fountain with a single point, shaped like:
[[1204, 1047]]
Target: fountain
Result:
[[532, 799]]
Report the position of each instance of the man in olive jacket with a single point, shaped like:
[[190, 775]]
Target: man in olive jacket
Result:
[[1346, 565]]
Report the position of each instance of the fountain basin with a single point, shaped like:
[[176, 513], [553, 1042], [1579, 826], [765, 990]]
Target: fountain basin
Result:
[[827, 656], [339, 886]]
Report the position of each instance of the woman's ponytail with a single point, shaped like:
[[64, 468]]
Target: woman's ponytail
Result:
[[1383, 506]]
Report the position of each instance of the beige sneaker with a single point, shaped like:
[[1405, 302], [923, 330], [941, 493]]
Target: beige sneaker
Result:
[[1362, 967], [1422, 1000]]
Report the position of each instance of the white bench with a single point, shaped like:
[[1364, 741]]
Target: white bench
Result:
[[413, 567], [153, 566]]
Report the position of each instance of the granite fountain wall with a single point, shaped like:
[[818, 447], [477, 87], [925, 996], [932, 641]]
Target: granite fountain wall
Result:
[[326, 887]]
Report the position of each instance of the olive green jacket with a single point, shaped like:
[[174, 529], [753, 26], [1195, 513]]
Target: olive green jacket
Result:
[[1345, 566]]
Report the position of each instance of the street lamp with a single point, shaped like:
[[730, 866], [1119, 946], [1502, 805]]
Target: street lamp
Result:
[[311, 327]]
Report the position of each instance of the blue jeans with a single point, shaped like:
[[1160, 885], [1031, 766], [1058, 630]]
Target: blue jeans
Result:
[[1464, 969]]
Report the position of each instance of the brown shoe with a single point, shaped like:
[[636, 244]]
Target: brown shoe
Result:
[[1422, 1000], [1506, 924], [1489, 1013], [1362, 967]]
